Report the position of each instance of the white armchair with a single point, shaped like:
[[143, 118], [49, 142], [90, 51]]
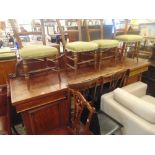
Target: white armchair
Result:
[[132, 108]]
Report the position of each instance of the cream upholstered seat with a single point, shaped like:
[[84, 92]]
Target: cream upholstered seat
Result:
[[7, 54], [106, 43], [129, 38], [81, 46], [132, 108], [37, 52]]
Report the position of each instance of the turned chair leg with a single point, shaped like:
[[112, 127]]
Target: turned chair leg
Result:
[[25, 67], [95, 60], [100, 60], [75, 62], [58, 69]]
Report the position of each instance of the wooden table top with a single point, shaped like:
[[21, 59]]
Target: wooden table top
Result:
[[46, 84]]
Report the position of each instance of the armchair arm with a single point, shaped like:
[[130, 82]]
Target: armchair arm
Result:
[[138, 88]]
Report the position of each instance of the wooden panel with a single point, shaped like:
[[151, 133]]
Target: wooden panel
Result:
[[6, 68], [45, 118]]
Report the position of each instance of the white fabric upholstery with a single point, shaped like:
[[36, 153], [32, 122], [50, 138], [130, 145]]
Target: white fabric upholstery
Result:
[[132, 123], [138, 106], [149, 99]]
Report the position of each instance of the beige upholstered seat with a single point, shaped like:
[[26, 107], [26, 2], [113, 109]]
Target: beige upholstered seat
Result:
[[38, 51], [81, 46], [106, 43], [129, 38]]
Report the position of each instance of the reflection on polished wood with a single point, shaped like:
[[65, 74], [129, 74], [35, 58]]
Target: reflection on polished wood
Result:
[[46, 106]]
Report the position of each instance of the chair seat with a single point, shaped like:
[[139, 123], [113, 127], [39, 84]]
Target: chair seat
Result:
[[129, 38], [60, 131], [37, 52], [6, 54], [80, 46], [106, 43]]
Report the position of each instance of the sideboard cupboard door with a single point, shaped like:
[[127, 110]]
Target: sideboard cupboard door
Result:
[[45, 118]]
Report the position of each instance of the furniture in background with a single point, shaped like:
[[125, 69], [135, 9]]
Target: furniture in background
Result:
[[132, 108], [7, 64], [74, 51]]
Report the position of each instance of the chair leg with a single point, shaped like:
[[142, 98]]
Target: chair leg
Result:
[[95, 60], [25, 67], [75, 62], [58, 69], [100, 60]]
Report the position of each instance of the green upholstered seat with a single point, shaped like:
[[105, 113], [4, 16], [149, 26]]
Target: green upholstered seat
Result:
[[6, 54], [81, 46], [106, 43], [129, 38], [38, 51]]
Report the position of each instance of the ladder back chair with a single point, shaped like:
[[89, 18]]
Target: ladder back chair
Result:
[[77, 127], [117, 79], [107, 48], [74, 51], [130, 43], [35, 53]]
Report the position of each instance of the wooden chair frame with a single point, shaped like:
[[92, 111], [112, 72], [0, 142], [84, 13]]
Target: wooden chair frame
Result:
[[25, 62], [103, 54], [75, 57], [79, 104]]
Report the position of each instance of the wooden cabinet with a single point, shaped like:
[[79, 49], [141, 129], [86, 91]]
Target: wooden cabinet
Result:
[[45, 106], [53, 114]]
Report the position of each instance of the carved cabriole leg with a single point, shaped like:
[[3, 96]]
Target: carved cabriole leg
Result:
[[75, 55], [100, 59], [25, 67], [95, 59]]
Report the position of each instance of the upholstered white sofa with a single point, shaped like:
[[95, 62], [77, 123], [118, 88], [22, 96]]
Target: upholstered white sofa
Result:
[[132, 108]]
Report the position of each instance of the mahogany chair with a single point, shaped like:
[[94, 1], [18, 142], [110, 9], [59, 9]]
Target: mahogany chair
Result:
[[91, 90], [107, 47], [5, 119], [33, 54], [77, 127], [75, 51], [118, 79]]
